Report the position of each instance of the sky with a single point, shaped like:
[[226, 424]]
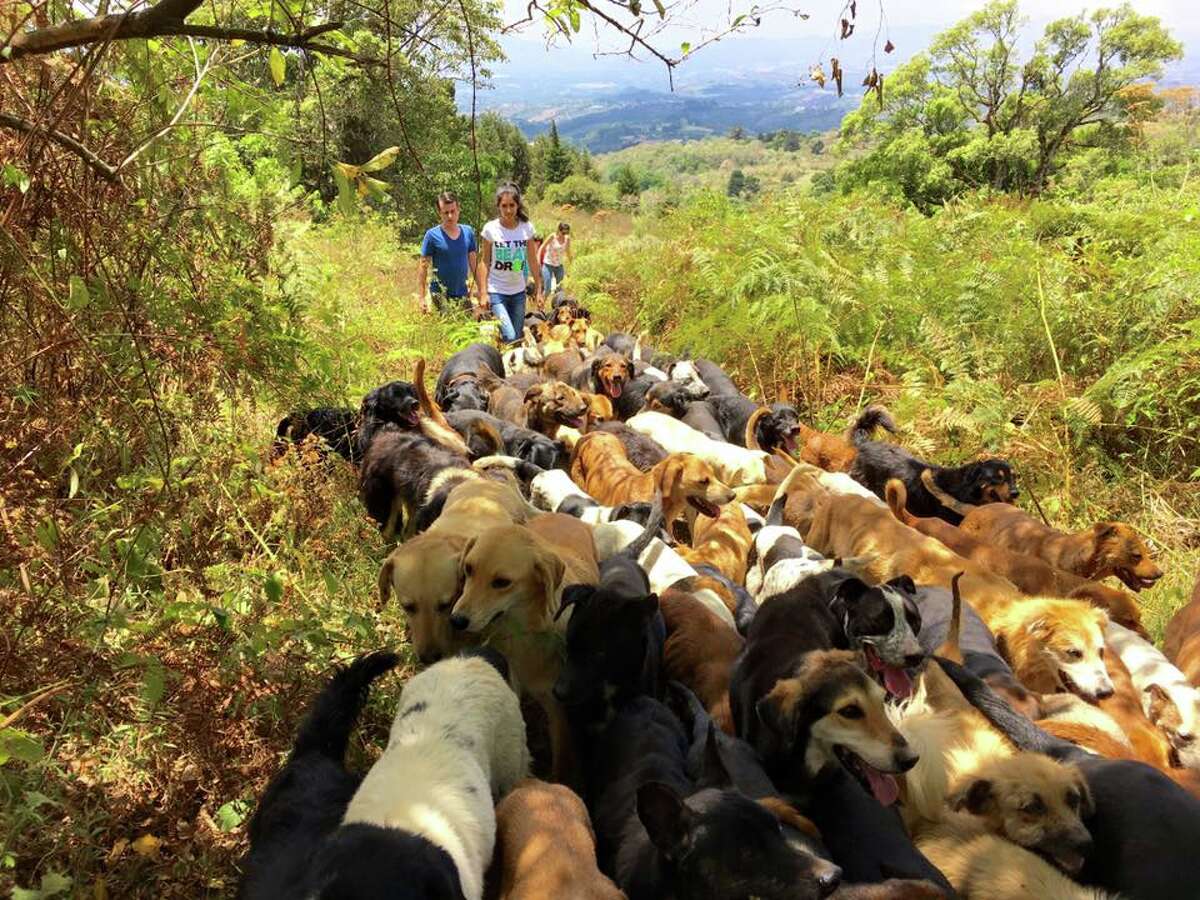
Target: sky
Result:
[[783, 40]]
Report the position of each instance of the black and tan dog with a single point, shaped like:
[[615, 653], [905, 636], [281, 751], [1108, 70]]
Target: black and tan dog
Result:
[[984, 481], [393, 404], [458, 383], [337, 427]]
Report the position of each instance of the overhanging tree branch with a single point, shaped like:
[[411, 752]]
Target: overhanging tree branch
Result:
[[103, 169]]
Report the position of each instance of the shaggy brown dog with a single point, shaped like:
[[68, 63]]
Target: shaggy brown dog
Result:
[[723, 542], [551, 404], [1032, 576], [601, 467], [700, 652], [545, 848], [1107, 548], [1181, 640]]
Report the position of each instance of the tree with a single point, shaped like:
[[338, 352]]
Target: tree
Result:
[[738, 133], [970, 108], [627, 182], [558, 159], [742, 185], [817, 147]]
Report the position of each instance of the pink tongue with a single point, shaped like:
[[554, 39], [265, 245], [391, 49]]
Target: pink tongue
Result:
[[614, 391], [883, 786], [897, 682]]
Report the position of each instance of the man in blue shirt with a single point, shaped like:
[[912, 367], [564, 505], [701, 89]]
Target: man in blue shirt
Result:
[[452, 249]]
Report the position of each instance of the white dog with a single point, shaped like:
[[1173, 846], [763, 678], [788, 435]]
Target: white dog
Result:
[[736, 466], [457, 745]]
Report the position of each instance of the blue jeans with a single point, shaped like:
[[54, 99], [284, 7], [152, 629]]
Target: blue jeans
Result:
[[509, 310], [547, 282]]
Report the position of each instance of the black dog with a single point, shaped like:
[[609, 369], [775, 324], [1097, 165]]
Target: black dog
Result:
[[523, 443], [393, 404], [669, 397], [614, 639], [336, 426], [976, 483], [304, 803], [778, 427], [719, 384], [664, 837], [1145, 828], [398, 471], [458, 384]]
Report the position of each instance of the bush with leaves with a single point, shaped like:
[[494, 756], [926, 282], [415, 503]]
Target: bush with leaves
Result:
[[576, 190]]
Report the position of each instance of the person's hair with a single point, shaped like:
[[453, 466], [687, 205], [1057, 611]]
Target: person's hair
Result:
[[564, 227], [446, 197], [509, 188]]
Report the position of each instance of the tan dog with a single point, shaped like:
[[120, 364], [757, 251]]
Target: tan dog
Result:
[[1181, 640], [1149, 743], [545, 847], [600, 409], [551, 404], [845, 525], [1032, 576], [423, 572], [1107, 548], [700, 652], [561, 362], [1052, 644], [513, 578], [601, 467], [723, 542]]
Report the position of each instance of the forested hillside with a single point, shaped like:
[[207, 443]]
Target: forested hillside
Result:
[[191, 247]]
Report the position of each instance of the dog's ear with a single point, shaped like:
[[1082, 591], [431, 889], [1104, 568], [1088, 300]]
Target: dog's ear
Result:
[[904, 584], [574, 595], [385, 581], [533, 393], [1040, 628], [647, 606], [714, 774], [1106, 531], [846, 596], [1160, 701], [1087, 805], [462, 554], [777, 710], [550, 570], [666, 818], [975, 798]]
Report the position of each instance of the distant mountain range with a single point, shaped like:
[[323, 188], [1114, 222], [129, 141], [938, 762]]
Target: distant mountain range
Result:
[[759, 84]]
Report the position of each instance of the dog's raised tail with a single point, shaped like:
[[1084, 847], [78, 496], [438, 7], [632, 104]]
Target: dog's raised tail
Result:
[[950, 648], [864, 426], [327, 726], [654, 524], [896, 495]]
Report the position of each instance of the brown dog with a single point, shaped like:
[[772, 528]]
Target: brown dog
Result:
[[817, 448], [607, 374], [600, 465], [552, 403], [545, 847], [1033, 576], [1149, 743], [700, 652], [1181, 640], [561, 363], [600, 409], [1107, 548], [723, 542], [423, 572], [512, 582]]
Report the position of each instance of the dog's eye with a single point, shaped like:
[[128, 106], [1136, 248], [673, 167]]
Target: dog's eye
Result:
[[1072, 799], [1034, 807], [409, 608], [851, 711], [445, 606], [705, 481], [1074, 654], [1100, 653], [500, 583]]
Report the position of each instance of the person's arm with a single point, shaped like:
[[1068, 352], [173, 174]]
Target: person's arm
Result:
[[570, 244], [532, 249], [485, 263], [423, 284], [473, 266]]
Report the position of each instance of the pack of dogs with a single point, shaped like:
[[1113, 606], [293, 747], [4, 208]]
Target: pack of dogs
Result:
[[675, 643]]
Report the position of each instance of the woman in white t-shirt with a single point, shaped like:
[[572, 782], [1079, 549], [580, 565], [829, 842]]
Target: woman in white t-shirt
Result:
[[556, 253], [509, 245]]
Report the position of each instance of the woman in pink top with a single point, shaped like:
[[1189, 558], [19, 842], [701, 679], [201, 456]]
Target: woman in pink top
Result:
[[556, 252]]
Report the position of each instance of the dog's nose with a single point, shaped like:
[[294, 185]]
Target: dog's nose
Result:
[[906, 758], [913, 660], [828, 880], [1104, 692], [459, 622]]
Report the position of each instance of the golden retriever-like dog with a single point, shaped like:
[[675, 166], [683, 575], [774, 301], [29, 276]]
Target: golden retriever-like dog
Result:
[[512, 582], [545, 847], [601, 467], [722, 542], [423, 572], [1032, 576], [552, 403], [1107, 548]]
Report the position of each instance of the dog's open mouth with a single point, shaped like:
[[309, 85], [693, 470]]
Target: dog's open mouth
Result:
[[1063, 858], [790, 439], [1135, 582], [883, 787], [573, 421], [895, 679], [708, 508], [1071, 686], [411, 417], [612, 387]]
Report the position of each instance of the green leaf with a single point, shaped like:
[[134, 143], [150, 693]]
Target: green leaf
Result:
[[73, 487], [380, 160], [19, 745], [231, 815], [273, 585], [635, 7], [686, 48], [574, 13], [154, 683], [14, 177], [662, 10], [278, 66], [79, 296], [346, 200]]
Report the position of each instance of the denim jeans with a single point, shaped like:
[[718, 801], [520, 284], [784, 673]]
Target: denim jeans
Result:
[[509, 310], [547, 283]]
